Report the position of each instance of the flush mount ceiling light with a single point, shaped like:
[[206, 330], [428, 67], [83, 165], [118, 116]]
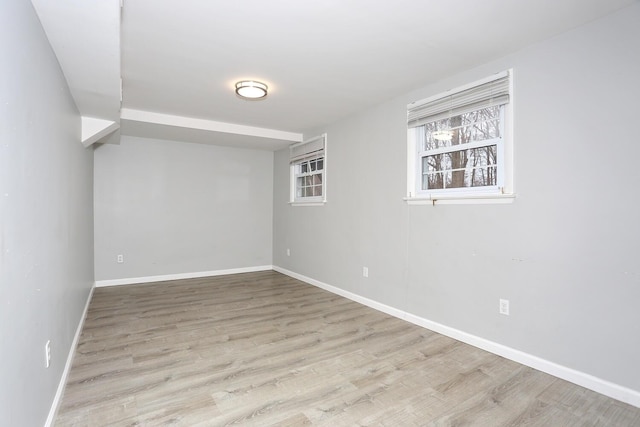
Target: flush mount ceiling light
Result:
[[251, 89], [443, 135]]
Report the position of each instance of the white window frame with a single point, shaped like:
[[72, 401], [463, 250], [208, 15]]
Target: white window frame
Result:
[[502, 192], [301, 152]]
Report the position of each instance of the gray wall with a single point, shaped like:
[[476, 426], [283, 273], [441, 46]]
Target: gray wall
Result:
[[565, 253], [46, 213], [174, 207]]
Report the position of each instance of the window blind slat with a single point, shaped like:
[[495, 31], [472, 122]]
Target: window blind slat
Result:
[[306, 150], [460, 110], [310, 156], [495, 92]]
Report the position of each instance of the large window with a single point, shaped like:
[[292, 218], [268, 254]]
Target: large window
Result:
[[457, 141], [308, 171]]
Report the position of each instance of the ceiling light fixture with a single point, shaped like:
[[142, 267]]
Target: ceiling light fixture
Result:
[[251, 89]]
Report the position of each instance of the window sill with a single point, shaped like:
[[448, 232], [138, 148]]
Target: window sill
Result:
[[317, 203], [462, 199]]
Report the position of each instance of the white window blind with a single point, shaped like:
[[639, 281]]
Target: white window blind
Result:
[[312, 149], [490, 93]]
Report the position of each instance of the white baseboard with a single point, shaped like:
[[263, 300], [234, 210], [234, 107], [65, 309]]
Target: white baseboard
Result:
[[165, 277], [67, 367], [615, 391]]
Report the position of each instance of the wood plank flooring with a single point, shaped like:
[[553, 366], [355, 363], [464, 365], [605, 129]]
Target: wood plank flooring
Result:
[[263, 349]]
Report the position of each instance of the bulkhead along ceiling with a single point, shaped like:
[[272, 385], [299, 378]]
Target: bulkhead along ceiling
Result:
[[167, 69]]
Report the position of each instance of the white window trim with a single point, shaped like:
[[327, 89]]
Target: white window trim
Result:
[[503, 193], [309, 201]]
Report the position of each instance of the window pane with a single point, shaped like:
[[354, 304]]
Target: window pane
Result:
[[478, 125], [309, 178], [433, 181], [299, 187], [465, 168]]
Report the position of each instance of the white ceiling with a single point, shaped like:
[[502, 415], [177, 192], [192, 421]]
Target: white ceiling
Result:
[[322, 60]]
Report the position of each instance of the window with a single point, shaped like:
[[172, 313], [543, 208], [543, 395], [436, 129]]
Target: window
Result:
[[308, 171], [459, 142]]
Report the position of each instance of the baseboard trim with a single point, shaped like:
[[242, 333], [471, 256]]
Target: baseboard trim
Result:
[[165, 277], [615, 391], [67, 367]]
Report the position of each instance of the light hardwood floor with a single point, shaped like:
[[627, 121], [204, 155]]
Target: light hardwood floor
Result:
[[264, 349]]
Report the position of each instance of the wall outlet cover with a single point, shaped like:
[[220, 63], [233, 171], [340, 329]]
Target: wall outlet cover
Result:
[[504, 307], [47, 353]]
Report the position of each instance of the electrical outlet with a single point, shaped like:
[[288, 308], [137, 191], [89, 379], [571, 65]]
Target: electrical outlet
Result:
[[365, 271], [47, 353], [120, 259], [288, 252], [504, 307]]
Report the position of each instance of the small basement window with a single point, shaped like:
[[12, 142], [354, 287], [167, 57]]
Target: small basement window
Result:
[[460, 142], [308, 171]]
